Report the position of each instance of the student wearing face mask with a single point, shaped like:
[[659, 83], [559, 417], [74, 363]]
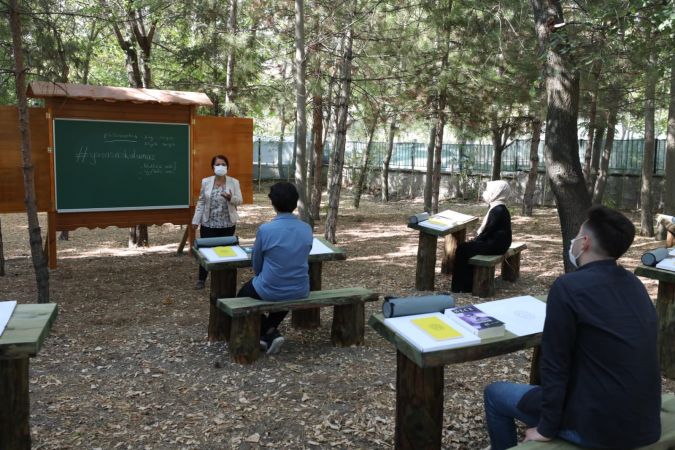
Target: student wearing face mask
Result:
[[494, 236], [216, 210], [600, 381]]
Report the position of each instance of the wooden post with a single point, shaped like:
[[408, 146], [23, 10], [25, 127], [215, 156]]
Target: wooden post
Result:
[[450, 250], [348, 325], [665, 307], [308, 319], [511, 268], [426, 262], [223, 285], [419, 405], [483, 281], [183, 240], [244, 341], [15, 405], [51, 239]]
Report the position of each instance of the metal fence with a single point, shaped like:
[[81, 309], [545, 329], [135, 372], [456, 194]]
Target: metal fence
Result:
[[626, 157]]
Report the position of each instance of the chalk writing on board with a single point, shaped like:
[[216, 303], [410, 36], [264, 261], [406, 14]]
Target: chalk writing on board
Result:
[[158, 169], [85, 156]]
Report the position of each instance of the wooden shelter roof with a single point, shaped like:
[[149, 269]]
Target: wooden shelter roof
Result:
[[47, 89]]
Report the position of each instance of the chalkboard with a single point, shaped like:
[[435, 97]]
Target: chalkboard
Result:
[[112, 165]]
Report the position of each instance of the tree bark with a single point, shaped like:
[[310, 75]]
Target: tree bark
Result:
[[34, 233], [561, 147], [365, 159], [229, 71], [603, 173], [528, 197], [301, 113], [592, 114], [647, 210], [387, 160], [497, 149], [335, 185], [669, 191], [317, 133], [438, 147], [598, 136], [428, 179]]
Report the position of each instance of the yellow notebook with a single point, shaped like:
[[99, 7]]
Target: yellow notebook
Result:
[[440, 222], [436, 328], [224, 251]]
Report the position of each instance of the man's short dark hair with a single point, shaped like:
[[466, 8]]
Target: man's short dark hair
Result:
[[224, 158], [611, 229], [284, 196]]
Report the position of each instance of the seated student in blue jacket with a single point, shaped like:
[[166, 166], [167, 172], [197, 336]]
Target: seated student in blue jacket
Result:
[[600, 381], [280, 263]]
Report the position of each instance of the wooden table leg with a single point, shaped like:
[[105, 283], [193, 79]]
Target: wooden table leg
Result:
[[665, 308], [15, 404], [452, 240], [348, 325], [419, 405], [223, 285], [308, 319], [426, 262]]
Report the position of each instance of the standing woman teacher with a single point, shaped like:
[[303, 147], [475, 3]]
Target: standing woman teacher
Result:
[[216, 210]]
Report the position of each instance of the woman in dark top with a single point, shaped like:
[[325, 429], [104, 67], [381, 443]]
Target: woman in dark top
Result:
[[494, 236]]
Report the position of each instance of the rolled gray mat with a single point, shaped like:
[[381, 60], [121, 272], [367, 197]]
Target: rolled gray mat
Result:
[[417, 218], [655, 256], [216, 241], [407, 306]]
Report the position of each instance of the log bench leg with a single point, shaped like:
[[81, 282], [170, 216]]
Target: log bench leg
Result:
[[223, 285], [511, 268], [244, 341], [535, 375], [419, 405], [348, 325], [483, 281], [426, 262], [309, 319], [15, 404], [665, 308]]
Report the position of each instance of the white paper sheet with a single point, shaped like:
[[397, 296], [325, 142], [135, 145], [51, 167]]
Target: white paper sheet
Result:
[[319, 248], [447, 219], [421, 340], [211, 256], [455, 216], [521, 315], [667, 264], [6, 310]]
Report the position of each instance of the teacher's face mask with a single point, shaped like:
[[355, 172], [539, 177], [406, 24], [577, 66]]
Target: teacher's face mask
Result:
[[220, 170]]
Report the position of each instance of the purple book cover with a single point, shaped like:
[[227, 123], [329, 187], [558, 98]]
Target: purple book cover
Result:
[[476, 318]]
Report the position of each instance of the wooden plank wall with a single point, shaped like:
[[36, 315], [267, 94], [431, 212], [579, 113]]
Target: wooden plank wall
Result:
[[11, 172]]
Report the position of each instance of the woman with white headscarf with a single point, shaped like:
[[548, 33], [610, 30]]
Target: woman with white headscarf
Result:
[[494, 236]]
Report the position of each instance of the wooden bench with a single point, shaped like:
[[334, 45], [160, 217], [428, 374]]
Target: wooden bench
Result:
[[484, 270], [666, 442], [244, 313]]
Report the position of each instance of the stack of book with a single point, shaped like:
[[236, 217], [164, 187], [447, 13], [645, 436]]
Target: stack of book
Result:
[[472, 319]]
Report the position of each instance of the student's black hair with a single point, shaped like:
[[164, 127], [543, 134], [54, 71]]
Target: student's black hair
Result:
[[612, 230], [224, 158], [284, 196]]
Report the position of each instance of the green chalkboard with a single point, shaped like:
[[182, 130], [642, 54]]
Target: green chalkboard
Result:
[[110, 165]]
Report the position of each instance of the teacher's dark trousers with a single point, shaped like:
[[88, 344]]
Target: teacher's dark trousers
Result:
[[207, 232]]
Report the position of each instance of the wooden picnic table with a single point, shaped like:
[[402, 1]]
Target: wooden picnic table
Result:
[[224, 285], [665, 308], [22, 339], [426, 251], [419, 381]]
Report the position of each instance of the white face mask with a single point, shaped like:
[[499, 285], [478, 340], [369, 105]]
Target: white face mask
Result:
[[570, 253], [220, 170]]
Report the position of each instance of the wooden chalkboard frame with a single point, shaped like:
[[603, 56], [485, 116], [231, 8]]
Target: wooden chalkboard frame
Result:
[[132, 205]]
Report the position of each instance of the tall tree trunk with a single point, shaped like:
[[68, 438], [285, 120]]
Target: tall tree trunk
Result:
[[387, 160], [497, 150], [301, 113], [669, 191], [593, 111], [34, 233], [561, 147], [335, 184], [528, 197], [2, 254], [598, 136], [603, 173], [280, 147], [438, 147], [317, 133], [365, 159], [229, 73], [428, 179], [647, 210]]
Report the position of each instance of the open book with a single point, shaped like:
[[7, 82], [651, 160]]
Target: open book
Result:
[[431, 332]]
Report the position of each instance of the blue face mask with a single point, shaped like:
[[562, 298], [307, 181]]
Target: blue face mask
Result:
[[573, 259]]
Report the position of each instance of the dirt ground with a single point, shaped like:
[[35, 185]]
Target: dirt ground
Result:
[[127, 364]]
